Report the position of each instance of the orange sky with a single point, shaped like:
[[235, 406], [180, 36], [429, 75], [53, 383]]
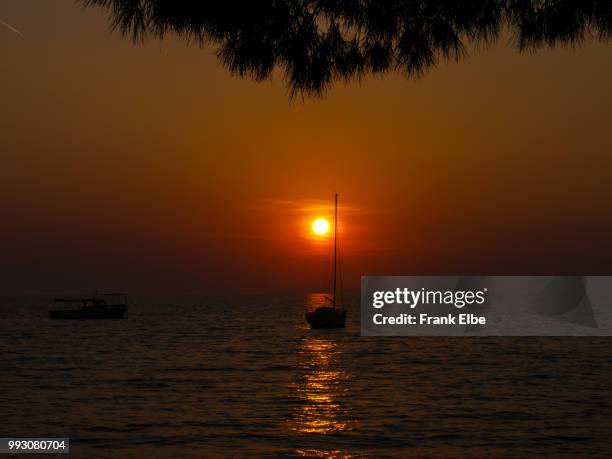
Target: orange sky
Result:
[[150, 168]]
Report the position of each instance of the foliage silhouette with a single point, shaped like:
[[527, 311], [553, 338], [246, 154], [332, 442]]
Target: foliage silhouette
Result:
[[317, 42]]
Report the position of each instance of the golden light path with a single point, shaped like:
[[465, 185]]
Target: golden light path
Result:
[[322, 391], [319, 389], [320, 226]]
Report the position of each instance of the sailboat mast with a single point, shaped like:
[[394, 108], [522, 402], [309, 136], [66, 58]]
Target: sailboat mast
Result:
[[335, 243]]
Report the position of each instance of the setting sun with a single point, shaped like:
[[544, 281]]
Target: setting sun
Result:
[[320, 226]]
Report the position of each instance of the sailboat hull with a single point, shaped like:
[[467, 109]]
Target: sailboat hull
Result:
[[326, 317], [107, 312]]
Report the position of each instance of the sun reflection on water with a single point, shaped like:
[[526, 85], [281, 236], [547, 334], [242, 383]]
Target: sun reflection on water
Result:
[[320, 388], [326, 454]]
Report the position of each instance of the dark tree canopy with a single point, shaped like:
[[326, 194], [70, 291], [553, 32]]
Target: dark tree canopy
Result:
[[316, 42]]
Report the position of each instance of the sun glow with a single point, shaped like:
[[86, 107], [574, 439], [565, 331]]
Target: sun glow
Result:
[[320, 226]]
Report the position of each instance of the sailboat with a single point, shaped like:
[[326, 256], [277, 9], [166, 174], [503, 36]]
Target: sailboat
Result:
[[334, 315], [106, 306]]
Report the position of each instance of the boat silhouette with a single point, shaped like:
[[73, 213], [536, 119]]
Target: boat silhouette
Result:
[[334, 315], [106, 306]]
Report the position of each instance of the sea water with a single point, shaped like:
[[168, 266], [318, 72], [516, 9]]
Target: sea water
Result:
[[201, 376]]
